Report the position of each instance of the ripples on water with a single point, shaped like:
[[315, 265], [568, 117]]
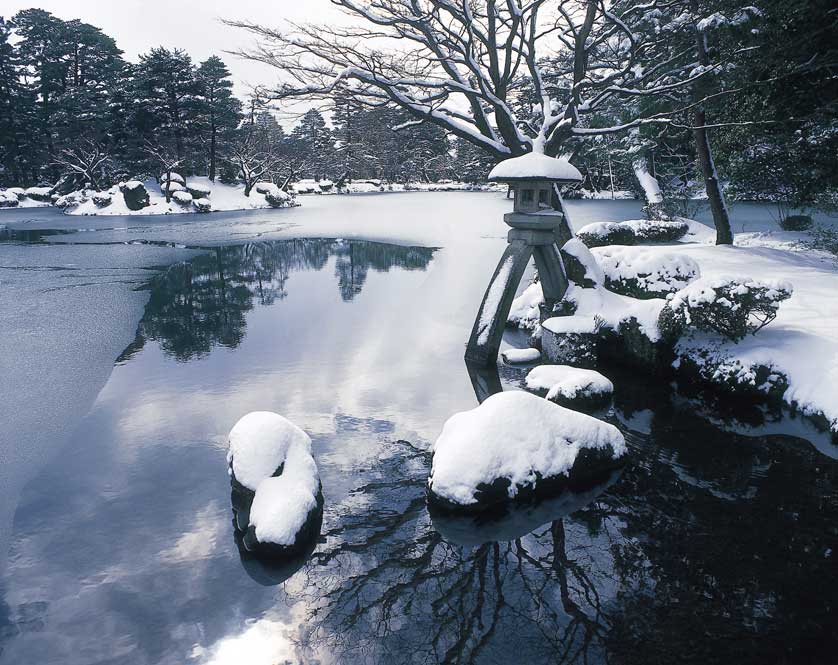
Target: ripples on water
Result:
[[715, 544]]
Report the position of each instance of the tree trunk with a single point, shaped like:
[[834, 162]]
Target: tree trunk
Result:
[[212, 156], [721, 219]]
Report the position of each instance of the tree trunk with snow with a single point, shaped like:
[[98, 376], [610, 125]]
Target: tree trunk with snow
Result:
[[651, 189]]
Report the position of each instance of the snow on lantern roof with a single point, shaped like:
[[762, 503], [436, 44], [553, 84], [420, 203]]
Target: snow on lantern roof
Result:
[[535, 166]]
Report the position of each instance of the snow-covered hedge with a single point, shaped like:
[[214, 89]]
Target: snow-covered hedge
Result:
[[198, 190], [8, 200], [732, 307], [632, 232], [641, 273], [182, 197], [515, 445], [202, 205]]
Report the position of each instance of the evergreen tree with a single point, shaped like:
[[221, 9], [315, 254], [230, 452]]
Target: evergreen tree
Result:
[[217, 111], [313, 142]]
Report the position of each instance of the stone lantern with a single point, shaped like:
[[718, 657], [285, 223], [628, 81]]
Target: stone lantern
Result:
[[539, 227]]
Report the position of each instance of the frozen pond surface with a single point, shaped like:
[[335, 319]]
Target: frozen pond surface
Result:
[[715, 544]]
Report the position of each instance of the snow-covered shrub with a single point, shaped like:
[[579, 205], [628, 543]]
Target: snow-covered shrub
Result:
[[796, 223], [573, 387], [70, 200], [657, 230], [202, 205], [43, 194], [8, 200], [278, 199], [275, 483], [19, 192], [640, 273], [102, 199], [265, 187], [182, 197], [172, 187], [731, 307], [173, 177], [198, 190], [515, 445], [600, 234], [135, 194], [823, 239]]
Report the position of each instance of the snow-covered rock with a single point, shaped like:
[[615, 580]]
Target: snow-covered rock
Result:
[[515, 445], [202, 205], [135, 194], [276, 484], [642, 273], [524, 312], [521, 356], [580, 265], [570, 386], [8, 199], [102, 199]]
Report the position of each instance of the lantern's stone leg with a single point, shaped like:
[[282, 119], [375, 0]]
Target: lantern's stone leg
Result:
[[550, 272], [486, 335]]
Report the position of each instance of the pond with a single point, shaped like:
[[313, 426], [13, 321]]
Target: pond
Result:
[[716, 543]]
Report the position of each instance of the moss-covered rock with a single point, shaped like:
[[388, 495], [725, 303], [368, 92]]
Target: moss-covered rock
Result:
[[135, 194]]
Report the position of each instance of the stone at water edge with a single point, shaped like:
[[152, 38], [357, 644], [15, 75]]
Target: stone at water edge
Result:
[[516, 446], [572, 387], [135, 195], [276, 493], [521, 356]]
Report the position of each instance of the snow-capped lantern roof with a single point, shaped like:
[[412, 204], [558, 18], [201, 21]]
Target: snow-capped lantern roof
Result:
[[535, 166]]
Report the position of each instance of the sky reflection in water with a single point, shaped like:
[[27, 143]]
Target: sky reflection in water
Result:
[[711, 546]]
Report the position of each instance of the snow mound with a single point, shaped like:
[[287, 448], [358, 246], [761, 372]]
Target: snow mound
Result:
[[515, 442], [259, 443], [535, 166], [566, 384], [519, 356]]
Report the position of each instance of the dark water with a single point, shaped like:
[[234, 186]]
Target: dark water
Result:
[[716, 544]]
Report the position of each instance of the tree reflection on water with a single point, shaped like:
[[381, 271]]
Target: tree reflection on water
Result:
[[202, 303]]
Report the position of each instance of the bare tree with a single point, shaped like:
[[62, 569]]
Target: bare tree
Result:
[[89, 161], [255, 158], [464, 65]]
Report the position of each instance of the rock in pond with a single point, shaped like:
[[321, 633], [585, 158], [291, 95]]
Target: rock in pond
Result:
[[135, 195], [516, 446], [573, 387], [276, 494]]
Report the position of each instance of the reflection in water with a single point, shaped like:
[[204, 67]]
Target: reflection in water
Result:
[[201, 303], [710, 546]]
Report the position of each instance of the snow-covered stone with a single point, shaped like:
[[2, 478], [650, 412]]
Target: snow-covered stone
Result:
[[524, 312], [135, 195], [520, 356], [276, 484], [102, 199], [570, 386], [8, 199], [534, 166], [202, 205], [580, 265], [515, 445]]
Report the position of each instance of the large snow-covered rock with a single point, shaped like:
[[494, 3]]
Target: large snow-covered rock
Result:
[[135, 194], [276, 486], [570, 386], [516, 445]]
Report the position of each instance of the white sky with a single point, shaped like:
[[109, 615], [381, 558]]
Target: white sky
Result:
[[193, 25]]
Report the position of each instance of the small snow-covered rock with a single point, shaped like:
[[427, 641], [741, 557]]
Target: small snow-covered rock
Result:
[[515, 445], [102, 199], [521, 356], [570, 386], [581, 266], [276, 486]]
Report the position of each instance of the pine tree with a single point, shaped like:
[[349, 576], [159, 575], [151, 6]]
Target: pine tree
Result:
[[313, 141], [217, 111]]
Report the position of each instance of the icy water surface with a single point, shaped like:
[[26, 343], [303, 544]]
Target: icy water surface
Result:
[[716, 544]]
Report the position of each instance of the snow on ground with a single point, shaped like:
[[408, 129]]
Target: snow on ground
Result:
[[221, 197], [654, 271], [605, 194], [569, 383], [9, 195], [517, 436]]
